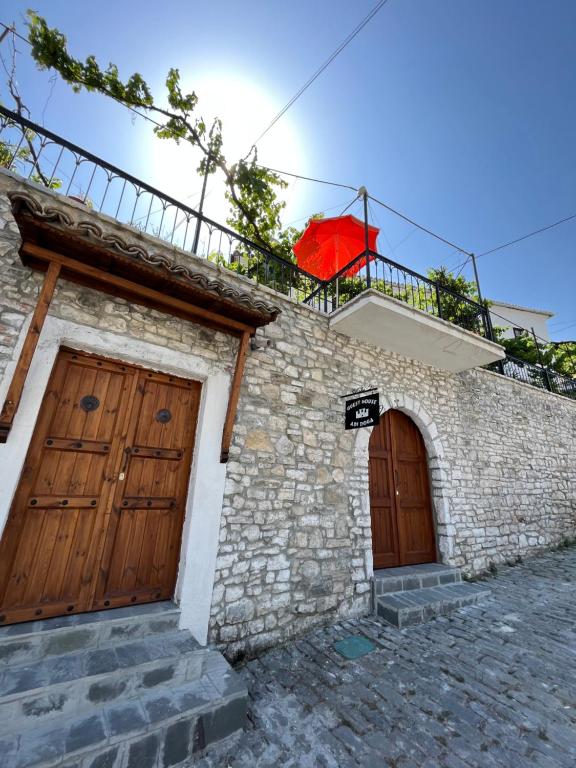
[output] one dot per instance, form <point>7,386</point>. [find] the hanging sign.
<point>362,411</point>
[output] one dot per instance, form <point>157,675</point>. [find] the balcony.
<point>397,327</point>
<point>401,311</point>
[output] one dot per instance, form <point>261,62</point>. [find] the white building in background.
<point>520,318</point>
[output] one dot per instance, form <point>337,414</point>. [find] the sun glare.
<point>245,110</point>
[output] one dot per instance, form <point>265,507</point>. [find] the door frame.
<point>438,473</point>
<point>201,528</point>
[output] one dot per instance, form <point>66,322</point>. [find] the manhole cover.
<point>354,646</point>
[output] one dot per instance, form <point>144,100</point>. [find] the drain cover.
<point>354,646</point>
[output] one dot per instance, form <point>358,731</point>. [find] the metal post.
<point>201,205</point>
<point>487,319</point>
<point>547,381</point>
<point>363,191</point>
<point>438,299</point>
<point>476,280</point>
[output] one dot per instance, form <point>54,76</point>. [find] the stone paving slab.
<point>491,685</point>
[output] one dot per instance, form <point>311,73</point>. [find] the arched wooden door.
<point>400,505</point>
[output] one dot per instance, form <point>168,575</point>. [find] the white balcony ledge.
<point>397,327</point>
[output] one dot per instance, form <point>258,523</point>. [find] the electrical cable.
<point>350,204</point>
<point>319,71</point>
<point>307,178</point>
<point>384,205</point>
<point>376,220</point>
<point>461,268</point>
<point>563,328</point>
<point>525,237</point>
<point>515,324</point>
<point>326,210</point>
<point>419,226</point>
<point>12,29</point>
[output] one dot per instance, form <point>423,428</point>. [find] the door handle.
<point>127,454</point>
<point>396,482</point>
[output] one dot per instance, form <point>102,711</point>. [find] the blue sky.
<point>460,113</point>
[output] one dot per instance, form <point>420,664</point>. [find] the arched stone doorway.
<point>400,501</point>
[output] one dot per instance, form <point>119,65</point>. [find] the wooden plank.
<point>120,286</point>
<point>233,398</point>
<point>75,502</point>
<point>148,502</point>
<point>170,454</point>
<point>23,366</point>
<point>80,446</point>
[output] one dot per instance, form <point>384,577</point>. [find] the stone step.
<point>164,726</point>
<point>414,606</point>
<point>66,667</point>
<point>51,637</point>
<point>412,577</point>
<point>76,682</point>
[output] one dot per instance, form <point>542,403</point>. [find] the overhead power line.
<point>321,69</point>
<point>419,226</point>
<point>389,208</point>
<point>350,204</point>
<point>326,210</point>
<point>561,330</point>
<point>525,237</point>
<point>308,178</point>
<point>12,29</point>
<point>564,327</point>
<point>520,239</point>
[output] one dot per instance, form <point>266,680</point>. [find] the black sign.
<point>362,411</point>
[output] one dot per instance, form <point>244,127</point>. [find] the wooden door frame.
<point>198,551</point>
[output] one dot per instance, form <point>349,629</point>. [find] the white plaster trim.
<point>445,531</point>
<point>206,490</point>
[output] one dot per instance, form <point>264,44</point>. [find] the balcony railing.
<point>405,285</point>
<point>45,158</point>
<point>536,376</point>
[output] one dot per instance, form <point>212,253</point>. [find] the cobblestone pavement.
<point>491,685</point>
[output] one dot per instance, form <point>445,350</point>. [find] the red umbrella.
<point>327,245</point>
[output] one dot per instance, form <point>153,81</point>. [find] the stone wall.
<point>295,539</point>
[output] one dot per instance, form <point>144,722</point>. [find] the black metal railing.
<point>405,285</point>
<point>536,376</point>
<point>45,158</point>
<point>41,156</point>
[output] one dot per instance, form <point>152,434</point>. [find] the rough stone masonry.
<point>295,536</point>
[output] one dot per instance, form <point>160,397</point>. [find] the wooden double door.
<point>400,505</point>
<point>97,518</point>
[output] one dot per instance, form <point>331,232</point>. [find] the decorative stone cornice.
<point>93,232</point>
